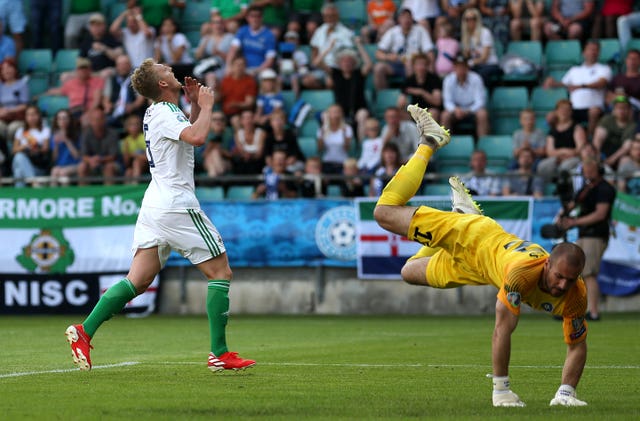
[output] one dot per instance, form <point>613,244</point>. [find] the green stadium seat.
<point>36,61</point>
<point>309,128</point>
<point>51,104</point>
<point>532,51</point>
<point>240,192</point>
<point>371,51</point>
<point>193,15</point>
<point>544,100</point>
<point>114,9</point>
<point>334,190</point>
<point>508,100</point>
<point>384,98</point>
<point>609,51</point>
<point>210,193</point>
<point>319,99</point>
<point>65,60</point>
<point>353,13</point>
<point>436,190</point>
<point>289,99</point>
<point>193,37</point>
<point>562,54</point>
<point>504,125</point>
<point>37,85</point>
<point>457,152</point>
<point>499,149</point>
<point>308,146</point>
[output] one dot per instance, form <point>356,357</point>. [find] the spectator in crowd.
<point>119,99</point>
<point>255,42</point>
<point>423,87</point>
<point>371,151</point>
<point>380,17</point>
<point>216,159</point>
<point>77,20</point>
<point>587,84</point>
<point>276,184</point>
<point>594,201</point>
<point>447,48</point>
<point>424,12</point>
<point>606,16</point>
<point>480,181</point>
<point>496,16</point>
<point>281,138</point>
<point>334,138</point>
<point>84,90</point>
<point>14,98</point>
<point>564,141</point>
<point>628,81</point>
<point>614,132</point>
<point>628,174</point>
<point>99,149</point>
<point>311,184</point>
<point>526,14</point>
<point>274,13</point>
<point>523,181</point>
<point>348,82</point>
<point>4,159</point>
<point>478,47</point>
<point>464,98</point>
<point>137,37</point>
<point>31,151</point>
<point>390,162</point>
<point>293,64</point>
<point>12,16</point>
<point>65,147</point>
<point>528,136</point>
<point>396,48</point>
<point>173,49</point>
<point>570,19</point>
<point>453,11</point>
<point>625,25</point>
<point>305,17</point>
<point>269,99</point>
<point>328,39</point>
<point>46,15</point>
<point>248,151</point>
<point>231,12</point>
<point>156,11</point>
<point>7,45</point>
<point>100,47</point>
<point>238,90</point>
<point>134,150</point>
<point>214,47</point>
<point>352,185</point>
<point>586,153</point>
<point>401,132</point>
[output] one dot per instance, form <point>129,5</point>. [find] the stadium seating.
<point>634,43</point>
<point>499,149</point>
<point>240,192</point>
<point>35,61</point>
<point>193,15</point>
<point>289,99</point>
<point>532,51</point>
<point>505,105</point>
<point>456,153</point>
<point>319,99</point>
<point>309,128</point>
<point>333,190</point>
<point>544,100</point>
<point>38,85</point>
<point>436,190</point>
<point>353,13</point>
<point>51,104</point>
<point>308,146</point>
<point>210,193</point>
<point>193,37</point>
<point>610,52</point>
<point>114,9</point>
<point>64,61</point>
<point>384,98</point>
<point>562,54</point>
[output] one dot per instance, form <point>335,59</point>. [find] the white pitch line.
<point>69,370</point>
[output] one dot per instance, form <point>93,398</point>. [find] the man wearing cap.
<point>83,89</point>
<point>79,13</point>
<point>256,41</point>
<point>464,97</point>
<point>614,132</point>
<point>100,47</point>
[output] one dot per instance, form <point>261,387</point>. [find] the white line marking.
<point>95,367</point>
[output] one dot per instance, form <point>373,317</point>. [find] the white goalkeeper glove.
<point>566,396</point>
<point>502,395</point>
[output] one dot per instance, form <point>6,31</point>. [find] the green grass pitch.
<point>312,367</point>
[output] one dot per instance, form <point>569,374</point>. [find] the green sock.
<point>218,313</point>
<point>112,302</point>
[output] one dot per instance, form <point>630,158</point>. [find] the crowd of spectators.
<point>444,55</point>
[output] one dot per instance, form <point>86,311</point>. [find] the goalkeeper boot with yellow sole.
<point>461,199</point>
<point>431,133</point>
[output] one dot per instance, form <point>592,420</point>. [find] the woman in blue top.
<point>65,147</point>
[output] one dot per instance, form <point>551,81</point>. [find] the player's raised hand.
<point>191,89</point>
<point>566,396</point>
<point>205,98</point>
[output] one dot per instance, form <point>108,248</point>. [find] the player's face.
<point>166,74</point>
<point>560,277</point>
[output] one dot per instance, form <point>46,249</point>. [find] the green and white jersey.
<point>170,159</point>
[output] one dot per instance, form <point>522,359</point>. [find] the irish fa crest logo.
<point>48,252</point>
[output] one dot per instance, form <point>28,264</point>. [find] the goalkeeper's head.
<point>562,269</point>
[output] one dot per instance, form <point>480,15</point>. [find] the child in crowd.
<point>390,163</point>
<point>134,149</point>
<point>371,147</point>
<point>528,136</point>
<point>269,99</point>
<point>293,63</point>
<point>312,184</point>
<point>448,48</point>
<point>352,185</point>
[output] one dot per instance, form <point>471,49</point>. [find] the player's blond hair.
<point>145,80</point>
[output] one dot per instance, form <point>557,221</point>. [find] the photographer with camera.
<point>594,201</point>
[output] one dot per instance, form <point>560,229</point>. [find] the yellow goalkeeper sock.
<point>405,184</point>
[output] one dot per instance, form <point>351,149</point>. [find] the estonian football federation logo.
<point>48,252</point>
<point>336,233</point>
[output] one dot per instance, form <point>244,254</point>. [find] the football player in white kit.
<point>170,216</point>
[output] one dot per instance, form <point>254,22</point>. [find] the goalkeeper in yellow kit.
<point>464,247</point>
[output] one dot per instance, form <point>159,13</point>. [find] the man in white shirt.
<point>331,35</point>
<point>137,37</point>
<point>170,216</point>
<point>401,132</point>
<point>397,46</point>
<point>464,97</point>
<point>587,86</point>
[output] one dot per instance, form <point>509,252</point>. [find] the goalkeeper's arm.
<point>506,323</point>
<point>571,373</point>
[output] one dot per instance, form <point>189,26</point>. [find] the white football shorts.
<point>188,232</point>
